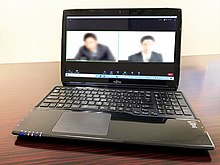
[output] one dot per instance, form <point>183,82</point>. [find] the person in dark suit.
<point>92,50</point>
<point>147,54</point>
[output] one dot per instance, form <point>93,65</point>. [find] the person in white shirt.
<point>147,54</point>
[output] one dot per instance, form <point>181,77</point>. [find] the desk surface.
<point>23,85</point>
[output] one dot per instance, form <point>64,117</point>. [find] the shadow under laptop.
<point>116,149</point>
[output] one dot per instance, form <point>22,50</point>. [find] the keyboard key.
<point>102,96</point>
<point>161,111</point>
<point>148,95</point>
<point>173,100</point>
<point>160,106</point>
<point>145,113</point>
<point>96,99</point>
<point>136,112</point>
<point>52,97</point>
<point>179,97</point>
<point>51,101</point>
<point>54,94</point>
<point>147,106</point>
<point>128,109</point>
<point>182,102</point>
<point>52,105</point>
<point>69,101</point>
<point>61,97</point>
<point>177,108</point>
<point>62,101</point>
<point>144,109</point>
<point>113,104</point>
<point>89,99</point>
<point>159,103</point>
<point>186,111</point>
<point>105,103</point>
<point>170,112</point>
<point>156,95</point>
<point>88,92</point>
<point>89,107</point>
<point>44,104</point>
<point>59,105</point>
<point>74,106</point>
<point>166,103</point>
<point>82,98</point>
<point>171,97</point>
<point>103,100</point>
<point>168,107</point>
<point>137,109</point>
<point>89,96</point>
<point>153,112</point>
<point>98,103</point>
<point>84,102</point>
<point>178,94</point>
<point>67,106</point>
<point>135,106</point>
<point>91,102</point>
<point>94,92</point>
<point>165,99</point>
<point>178,112</point>
<point>75,98</point>
<point>103,108</point>
<point>62,94</point>
<point>110,100</point>
<point>120,109</point>
<point>76,102</point>
<point>112,108</point>
<point>55,91</point>
<point>175,103</point>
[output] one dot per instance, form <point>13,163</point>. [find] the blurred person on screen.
<point>92,50</point>
<point>147,54</point>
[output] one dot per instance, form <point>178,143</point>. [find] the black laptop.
<point>120,71</point>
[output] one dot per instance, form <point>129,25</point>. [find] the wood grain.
<point>23,85</point>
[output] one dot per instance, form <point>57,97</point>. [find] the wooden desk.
<point>23,85</point>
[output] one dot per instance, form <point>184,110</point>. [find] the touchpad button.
<point>83,123</point>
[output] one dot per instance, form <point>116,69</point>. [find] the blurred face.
<point>91,44</point>
<point>147,46</point>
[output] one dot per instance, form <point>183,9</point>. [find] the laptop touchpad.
<point>83,123</point>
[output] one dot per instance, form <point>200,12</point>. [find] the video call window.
<point>114,46</point>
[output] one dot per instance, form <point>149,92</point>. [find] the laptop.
<point>120,71</point>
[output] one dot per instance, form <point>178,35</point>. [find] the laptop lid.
<point>126,47</point>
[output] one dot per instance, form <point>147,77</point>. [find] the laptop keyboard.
<point>135,102</point>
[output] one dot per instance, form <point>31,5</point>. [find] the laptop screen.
<point>120,47</point>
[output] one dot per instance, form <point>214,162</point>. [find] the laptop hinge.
<point>111,85</point>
